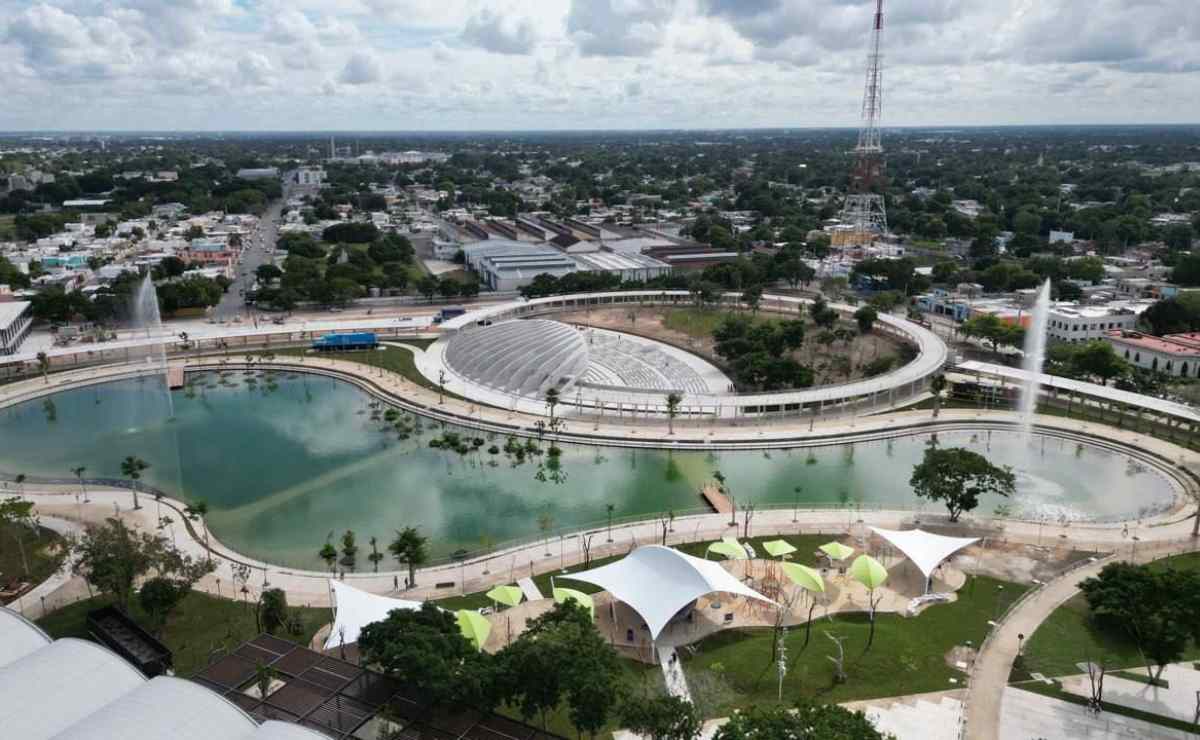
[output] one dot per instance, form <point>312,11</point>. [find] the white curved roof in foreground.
<point>356,609</point>
<point>521,357</point>
<point>73,689</point>
<point>18,637</point>
<point>656,582</point>
<point>925,549</point>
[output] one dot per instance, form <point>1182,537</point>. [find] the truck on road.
<point>448,313</point>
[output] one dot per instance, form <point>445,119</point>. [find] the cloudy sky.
<point>563,64</point>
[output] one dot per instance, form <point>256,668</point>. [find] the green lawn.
<point>908,655</point>
<point>1069,637</point>
<point>200,625</point>
<point>43,551</point>
<point>695,322</point>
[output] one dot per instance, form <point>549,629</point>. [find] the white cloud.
<point>456,64</point>
<point>361,69</point>
<point>499,33</point>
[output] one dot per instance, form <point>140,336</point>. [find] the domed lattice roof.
<point>521,357</point>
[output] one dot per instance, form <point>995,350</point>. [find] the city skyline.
<point>219,65</point>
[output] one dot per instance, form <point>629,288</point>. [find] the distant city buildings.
<point>1173,354</point>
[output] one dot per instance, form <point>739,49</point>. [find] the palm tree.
<point>158,497</point>
<point>131,468</point>
<point>79,471</point>
<point>552,399</point>
<point>198,510</point>
<point>20,481</point>
<point>409,548</point>
<point>673,401</point>
<point>545,524</point>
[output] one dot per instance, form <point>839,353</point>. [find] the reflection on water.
<point>285,460</point>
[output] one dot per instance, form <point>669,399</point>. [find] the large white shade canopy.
<point>925,549</point>
<point>656,582</point>
<point>356,609</point>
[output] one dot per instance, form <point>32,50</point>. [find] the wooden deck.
<point>717,500</point>
<point>174,376</point>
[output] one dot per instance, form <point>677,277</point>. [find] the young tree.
<point>158,597</point>
<point>937,385</point>
<point>375,555</point>
<point>349,549</point>
<point>752,297</point>
<point>409,548</point>
<point>196,511</point>
<point>806,722</point>
<point>1098,358</point>
<point>43,361</point>
<point>662,717</point>
<point>328,552</point>
<point>272,609</point>
<point>958,477</point>
<point>673,401</point>
<point>132,468</point>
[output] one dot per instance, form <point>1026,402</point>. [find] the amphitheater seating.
<point>619,361</point>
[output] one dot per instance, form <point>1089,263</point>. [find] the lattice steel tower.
<point>864,210</point>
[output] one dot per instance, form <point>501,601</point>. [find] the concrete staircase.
<point>917,718</point>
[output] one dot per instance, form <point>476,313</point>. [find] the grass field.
<point>1069,637</point>
<point>909,655</point>
<point>43,550</point>
<point>199,626</point>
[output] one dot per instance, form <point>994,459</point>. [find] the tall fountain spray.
<point>1035,355</point>
<point>145,318</point>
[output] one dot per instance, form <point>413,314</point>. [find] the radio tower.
<point>863,211</point>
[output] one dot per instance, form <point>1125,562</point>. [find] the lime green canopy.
<point>779,548</point>
<point>867,571</point>
<point>729,547</point>
<point>836,550</point>
<point>562,595</point>
<point>474,626</point>
<point>805,577</point>
<point>507,595</point>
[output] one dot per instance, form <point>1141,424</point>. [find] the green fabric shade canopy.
<point>779,548</point>
<point>836,550</point>
<point>507,595</point>
<point>729,547</point>
<point>805,577</point>
<point>868,571</point>
<point>474,626</point>
<point>563,595</point>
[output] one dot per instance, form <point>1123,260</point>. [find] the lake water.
<point>285,459</point>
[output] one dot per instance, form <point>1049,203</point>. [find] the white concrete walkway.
<point>1177,699</point>
<point>1027,716</point>
<point>672,671</point>
<point>530,589</point>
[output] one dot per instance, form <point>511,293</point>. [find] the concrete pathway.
<point>672,671</point>
<point>530,589</point>
<point>993,664</point>
<point>1027,716</point>
<point>1177,699</point>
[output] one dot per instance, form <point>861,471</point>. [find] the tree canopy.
<point>806,722</point>
<point>958,477</point>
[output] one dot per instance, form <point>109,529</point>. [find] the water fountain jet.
<point>1035,356</point>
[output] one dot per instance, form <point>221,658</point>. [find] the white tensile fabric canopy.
<point>656,582</point>
<point>925,549</point>
<point>356,609</point>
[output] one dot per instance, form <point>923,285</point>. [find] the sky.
<point>409,65</point>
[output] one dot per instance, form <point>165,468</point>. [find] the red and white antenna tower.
<point>863,214</point>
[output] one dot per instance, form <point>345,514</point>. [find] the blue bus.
<point>345,342</point>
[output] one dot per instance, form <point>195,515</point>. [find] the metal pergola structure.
<point>345,701</point>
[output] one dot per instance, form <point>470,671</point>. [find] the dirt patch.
<point>1019,563</point>
<point>691,329</point>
